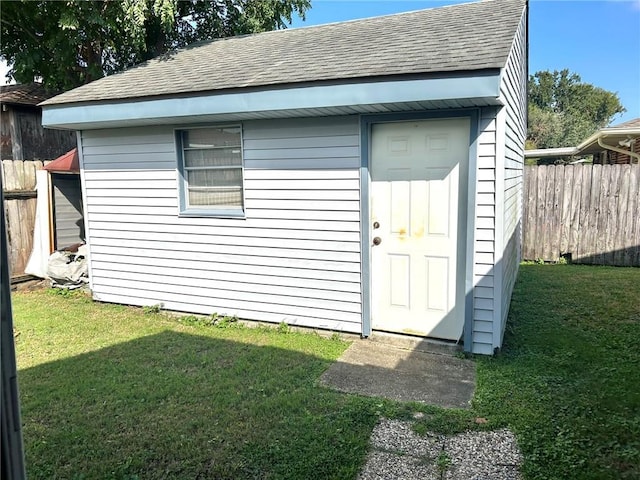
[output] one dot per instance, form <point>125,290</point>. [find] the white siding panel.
<point>483,315</point>
<point>294,258</point>
<point>308,194</point>
<point>306,174</point>
<point>484,247</point>
<point>296,128</point>
<point>303,163</point>
<point>142,203</point>
<point>123,149</point>
<point>338,220</point>
<point>222,242</point>
<point>484,292</point>
<point>128,193</point>
<point>238,250</point>
<point>232,292</point>
<point>304,152</point>
<point>140,175</point>
<point>484,244</point>
<point>196,263</point>
<point>259,218</point>
<point>501,136</point>
<point>332,289</point>
<point>211,231</point>
<point>169,184</point>
<point>513,90</point>
<point>290,184</point>
<point>323,205</point>
<point>190,306</point>
<point>482,348</point>
<point>481,326</point>
<point>302,142</point>
<point>221,305</point>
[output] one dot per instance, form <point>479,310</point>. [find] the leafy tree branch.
<point>563,110</point>
<point>69,43</point>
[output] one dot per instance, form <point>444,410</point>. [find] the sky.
<point>598,40</point>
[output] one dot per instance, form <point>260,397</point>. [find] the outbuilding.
<point>358,177</point>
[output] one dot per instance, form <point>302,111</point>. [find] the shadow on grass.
<point>174,405</point>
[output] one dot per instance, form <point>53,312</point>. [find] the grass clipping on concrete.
<point>113,392</point>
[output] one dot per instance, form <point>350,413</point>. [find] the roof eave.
<point>607,133</point>
<point>370,97</point>
<point>551,152</point>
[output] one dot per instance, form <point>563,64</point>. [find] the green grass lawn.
<point>112,392</point>
<point>568,379</point>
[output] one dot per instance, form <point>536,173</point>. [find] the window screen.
<point>212,168</point>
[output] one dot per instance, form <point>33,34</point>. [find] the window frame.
<point>185,210</point>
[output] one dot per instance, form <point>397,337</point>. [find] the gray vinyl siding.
<point>484,298</point>
<point>514,92</point>
<point>294,258</point>
<point>502,132</point>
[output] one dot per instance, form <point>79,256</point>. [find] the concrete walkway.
<point>404,372</point>
<point>418,371</point>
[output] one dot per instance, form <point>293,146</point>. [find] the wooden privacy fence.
<point>585,213</point>
<point>19,189</point>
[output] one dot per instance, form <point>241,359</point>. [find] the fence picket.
<point>587,211</point>
<point>19,177</point>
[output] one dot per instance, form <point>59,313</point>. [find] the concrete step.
<point>419,344</point>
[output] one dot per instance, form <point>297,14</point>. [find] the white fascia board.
<point>551,152</point>
<point>608,132</point>
<point>171,110</point>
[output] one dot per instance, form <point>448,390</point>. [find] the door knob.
<point>376,225</point>
<point>377,241</point>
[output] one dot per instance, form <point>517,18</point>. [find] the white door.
<point>416,205</point>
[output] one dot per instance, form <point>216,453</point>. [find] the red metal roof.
<point>68,162</point>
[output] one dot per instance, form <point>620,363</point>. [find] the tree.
<point>69,43</point>
<point>563,110</point>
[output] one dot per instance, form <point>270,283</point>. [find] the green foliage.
<point>563,110</point>
<point>214,320</point>
<point>70,43</point>
<point>284,328</point>
<point>65,292</point>
<point>152,309</point>
<point>443,462</point>
<point>224,321</point>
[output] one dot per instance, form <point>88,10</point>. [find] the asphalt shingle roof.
<point>24,94</point>
<point>464,37</point>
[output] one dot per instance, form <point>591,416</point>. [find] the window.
<point>211,167</point>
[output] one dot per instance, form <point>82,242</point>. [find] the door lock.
<point>376,225</point>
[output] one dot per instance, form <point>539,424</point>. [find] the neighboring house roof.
<point>460,38</point>
<point>633,124</point>
<point>609,138</point>
<point>30,94</point>
<point>69,162</point>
